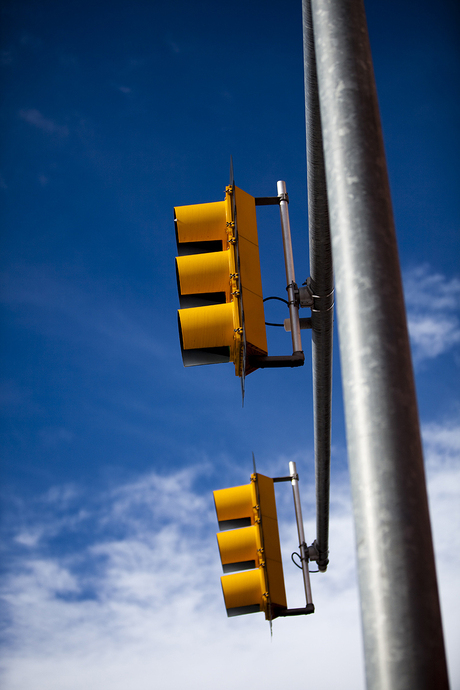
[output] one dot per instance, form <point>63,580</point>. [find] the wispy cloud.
<point>139,597</point>
<point>442,457</point>
<point>34,117</point>
<point>442,444</point>
<point>432,302</point>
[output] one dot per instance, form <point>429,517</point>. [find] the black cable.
<point>280,299</point>
<point>292,559</point>
<point>299,566</point>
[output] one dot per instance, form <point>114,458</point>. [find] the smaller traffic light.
<point>249,548</point>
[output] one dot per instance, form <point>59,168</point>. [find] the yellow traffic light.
<point>250,548</point>
<point>221,316</point>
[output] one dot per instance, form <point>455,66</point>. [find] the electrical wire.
<point>280,299</point>
<point>292,559</point>
<point>299,566</point>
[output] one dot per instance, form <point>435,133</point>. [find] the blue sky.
<point>112,114</point>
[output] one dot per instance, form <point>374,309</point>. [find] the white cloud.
<point>153,606</point>
<point>442,443</point>
<point>442,456</point>
<point>432,303</point>
<point>140,604</point>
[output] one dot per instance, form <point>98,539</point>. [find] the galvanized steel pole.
<point>403,639</point>
<point>322,285</point>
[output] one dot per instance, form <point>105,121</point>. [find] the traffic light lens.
<point>243,592</point>
<point>204,274</point>
<point>239,548</point>
<point>206,327</point>
<point>201,223</point>
<point>233,505</point>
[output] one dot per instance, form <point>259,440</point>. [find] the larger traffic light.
<point>249,548</point>
<point>221,316</point>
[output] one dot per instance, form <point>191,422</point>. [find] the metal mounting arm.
<point>297,358</point>
<point>304,549</point>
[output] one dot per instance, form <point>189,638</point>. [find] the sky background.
<point>112,114</point>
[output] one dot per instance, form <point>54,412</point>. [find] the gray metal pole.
<point>289,265</point>
<point>300,531</point>
<point>403,639</point>
<point>322,285</point>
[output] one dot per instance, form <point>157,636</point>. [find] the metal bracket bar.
<point>304,324</point>
<point>304,554</point>
<point>289,265</point>
<point>304,550</point>
<point>267,201</point>
<point>297,359</point>
<point>309,608</point>
<point>296,296</point>
<point>271,200</point>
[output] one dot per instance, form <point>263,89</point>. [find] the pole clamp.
<point>313,553</point>
<point>293,290</point>
<point>304,295</point>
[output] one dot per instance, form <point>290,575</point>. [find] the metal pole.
<point>322,285</point>
<point>403,639</point>
<point>289,264</point>
<point>300,531</point>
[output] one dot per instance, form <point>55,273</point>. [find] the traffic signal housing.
<point>221,316</point>
<point>249,547</point>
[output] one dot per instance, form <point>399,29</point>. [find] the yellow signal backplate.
<point>271,541</point>
<point>250,275</point>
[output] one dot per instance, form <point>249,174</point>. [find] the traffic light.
<point>221,316</point>
<point>249,548</point>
